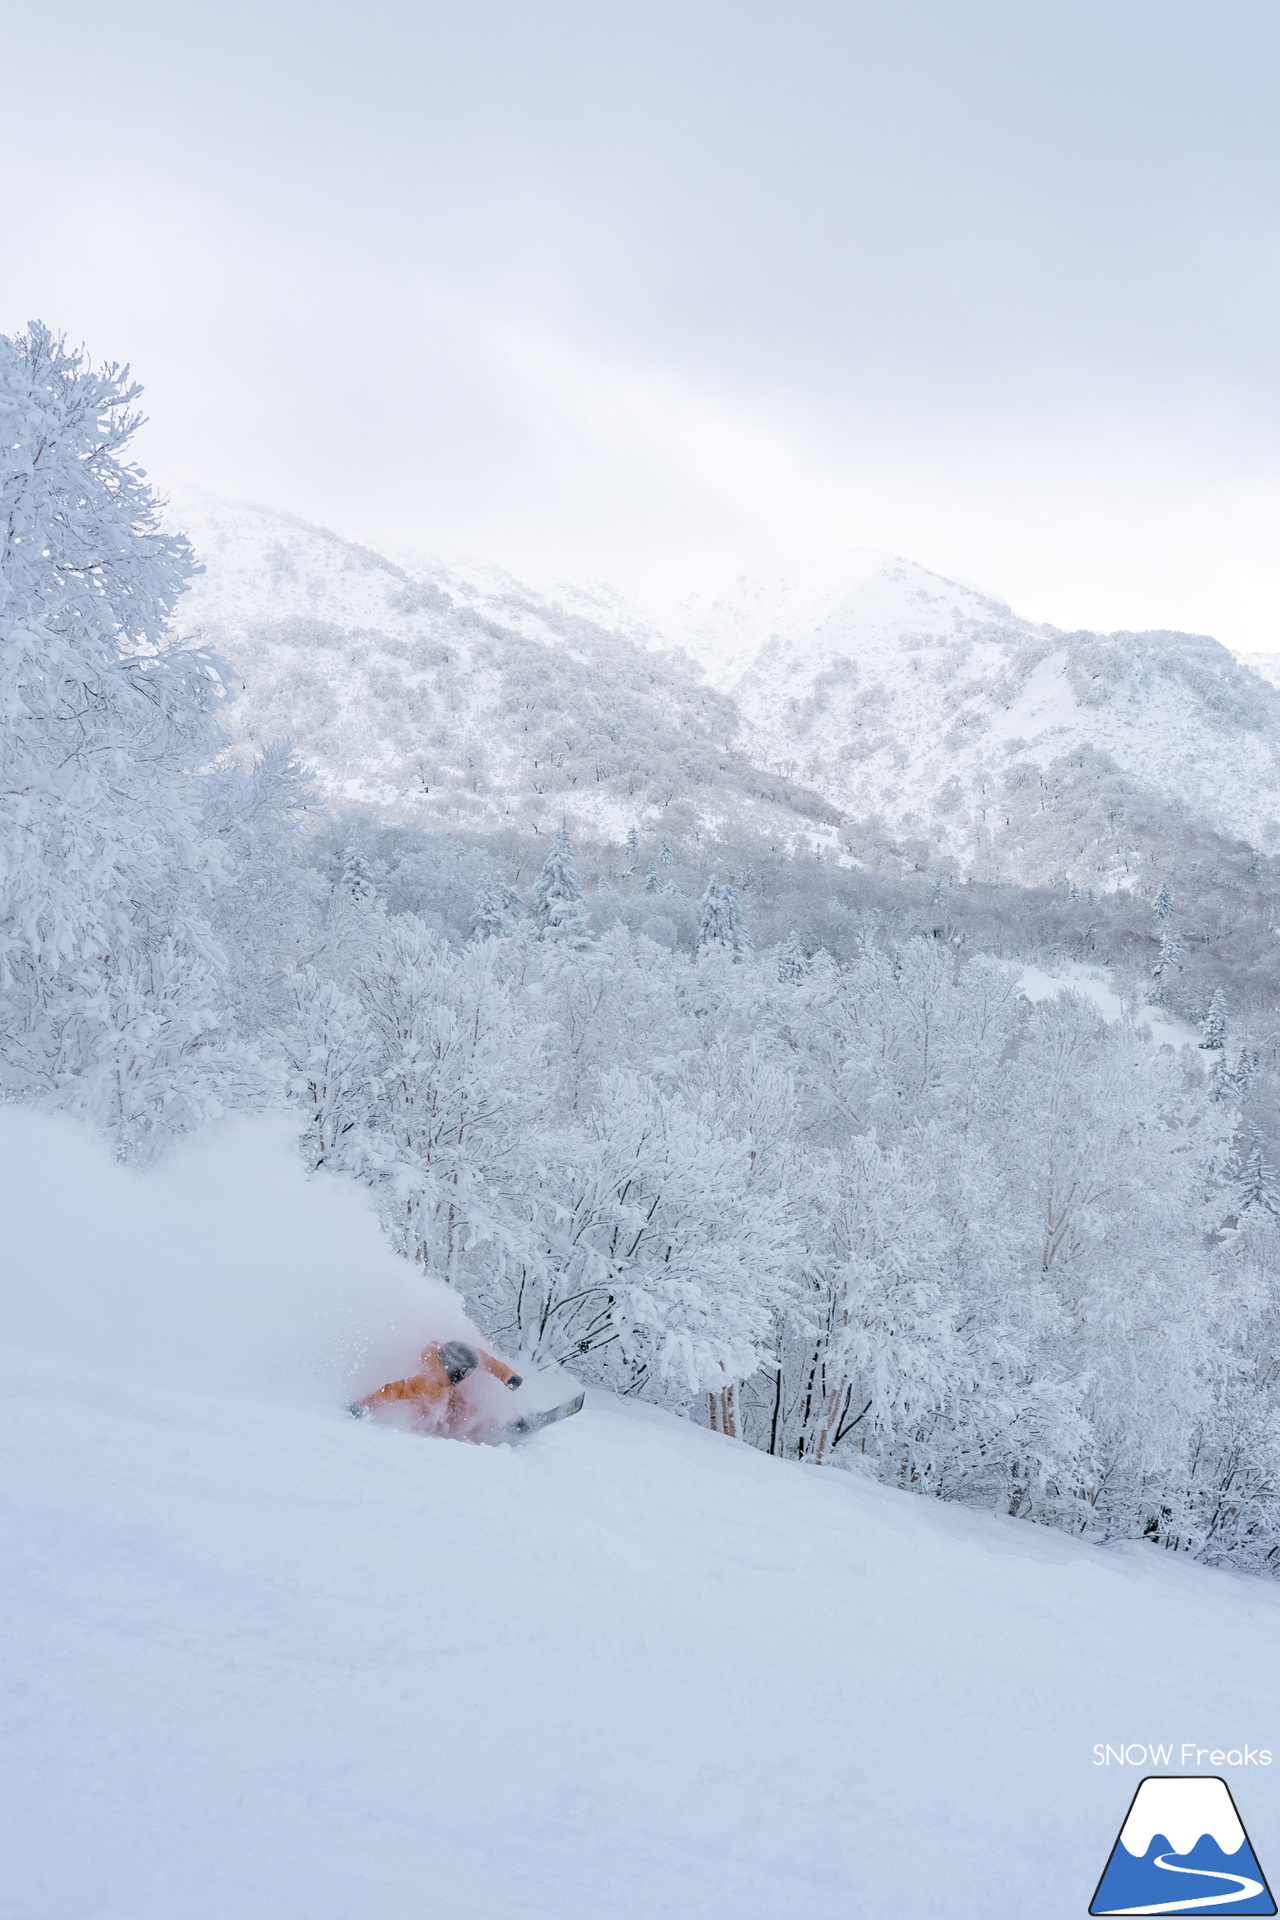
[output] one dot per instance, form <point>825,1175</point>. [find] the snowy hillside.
<point>1004,744</point>
<point>891,702</point>
<point>264,1663</point>
<point>465,701</point>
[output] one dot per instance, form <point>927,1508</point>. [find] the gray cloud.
<point>662,289</point>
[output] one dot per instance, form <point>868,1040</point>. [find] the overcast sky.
<point>661,291</point>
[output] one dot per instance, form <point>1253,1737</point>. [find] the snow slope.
<point>1165,1029</point>
<point>264,1663</point>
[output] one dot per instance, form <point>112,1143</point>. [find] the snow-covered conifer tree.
<point>497,909</point>
<point>356,882</point>
<point>1162,905</point>
<point>1169,957</point>
<point>721,923</point>
<point>1213,1028</point>
<point>1259,1191</point>
<point>1227,1082</point>
<point>355,916</point>
<point>557,896</point>
<point>792,965</point>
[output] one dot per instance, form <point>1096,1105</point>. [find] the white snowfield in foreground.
<point>262,1662</point>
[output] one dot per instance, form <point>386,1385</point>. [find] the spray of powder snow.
<point>222,1269</point>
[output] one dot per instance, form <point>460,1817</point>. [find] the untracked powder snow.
<point>264,1662</point>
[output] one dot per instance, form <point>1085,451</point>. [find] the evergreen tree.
<point>792,965</point>
<point>1162,905</point>
<point>557,897</point>
<point>497,909</point>
<point>666,856</point>
<point>633,845</point>
<point>1213,1028</point>
<point>1170,955</point>
<point>1258,1188</point>
<point>356,883</point>
<point>1233,1083</point>
<point>721,923</point>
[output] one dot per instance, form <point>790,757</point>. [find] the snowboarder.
<point>439,1400</point>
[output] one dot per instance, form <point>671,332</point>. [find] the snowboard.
<point>534,1422</point>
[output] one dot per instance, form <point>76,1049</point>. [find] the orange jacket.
<point>441,1404</point>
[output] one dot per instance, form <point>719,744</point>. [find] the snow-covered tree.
<point>721,923</point>
<point>268,911</point>
<point>448,1081</point>
<point>557,895</point>
<point>1259,1190</point>
<point>108,973</point>
<point>356,882</point>
<point>655,1261</point>
<point>498,909</point>
<point>1213,1027</point>
<point>792,965</point>
<point>1172,947</point>
<point>330,1049</point>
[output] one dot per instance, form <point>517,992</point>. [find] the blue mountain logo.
<point>1183,1850</point>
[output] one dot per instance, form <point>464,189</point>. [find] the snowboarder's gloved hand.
<point>357,1410</point>
<point>516,1380</point>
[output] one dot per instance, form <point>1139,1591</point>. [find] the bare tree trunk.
<point>777,1410</point>
<point>723,1412</point>
<point>830,1418</point>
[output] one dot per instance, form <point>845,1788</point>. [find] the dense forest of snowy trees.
<point>778,1143</point>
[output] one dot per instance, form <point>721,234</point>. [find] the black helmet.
<point>458,1360</point>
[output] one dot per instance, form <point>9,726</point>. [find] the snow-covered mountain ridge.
<point>906,707</point>
<point>998,741</point>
